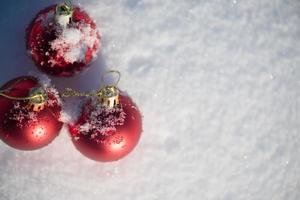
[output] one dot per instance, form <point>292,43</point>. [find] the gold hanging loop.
<point>65,8</point>
<point>63,13</point>
<point>69,92</point>
<point>112,72</point>
<point>107,96</point>
<point>36,100</point>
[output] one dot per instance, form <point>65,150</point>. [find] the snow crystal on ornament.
<point>73,42</point>
<point>101,121</point>
<point>53,101</point>
<point>24,116</point>
<point>63,49</point>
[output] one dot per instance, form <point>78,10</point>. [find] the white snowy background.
<point>217,82</point>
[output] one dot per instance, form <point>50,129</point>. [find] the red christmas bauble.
<point>107,134</point>
<point>62,50</point>
<point>20,126</point>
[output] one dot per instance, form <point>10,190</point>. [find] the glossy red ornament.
<point>107,139</point>
<point>21,127</point>
<point>62,50</point>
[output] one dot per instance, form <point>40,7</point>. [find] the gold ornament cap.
<point>38,99</point>
<point>108,96</point>
<point>63,13</point>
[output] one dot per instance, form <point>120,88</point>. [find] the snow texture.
<point>218,85</point>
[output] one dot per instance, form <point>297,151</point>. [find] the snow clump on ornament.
<point>62,40</point>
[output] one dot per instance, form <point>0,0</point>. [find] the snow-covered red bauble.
<point>29,113</point>
<point>104,133</point>
<point>62,40</point>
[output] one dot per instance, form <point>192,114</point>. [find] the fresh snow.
<point>217,83</point>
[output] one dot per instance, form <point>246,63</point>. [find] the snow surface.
<point>217,82</point>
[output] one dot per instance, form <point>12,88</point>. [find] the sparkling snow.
<point>217,83</point>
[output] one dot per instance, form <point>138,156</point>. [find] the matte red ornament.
<point>107,134</point>
<point>62,46</point>
<point>20,126</point>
